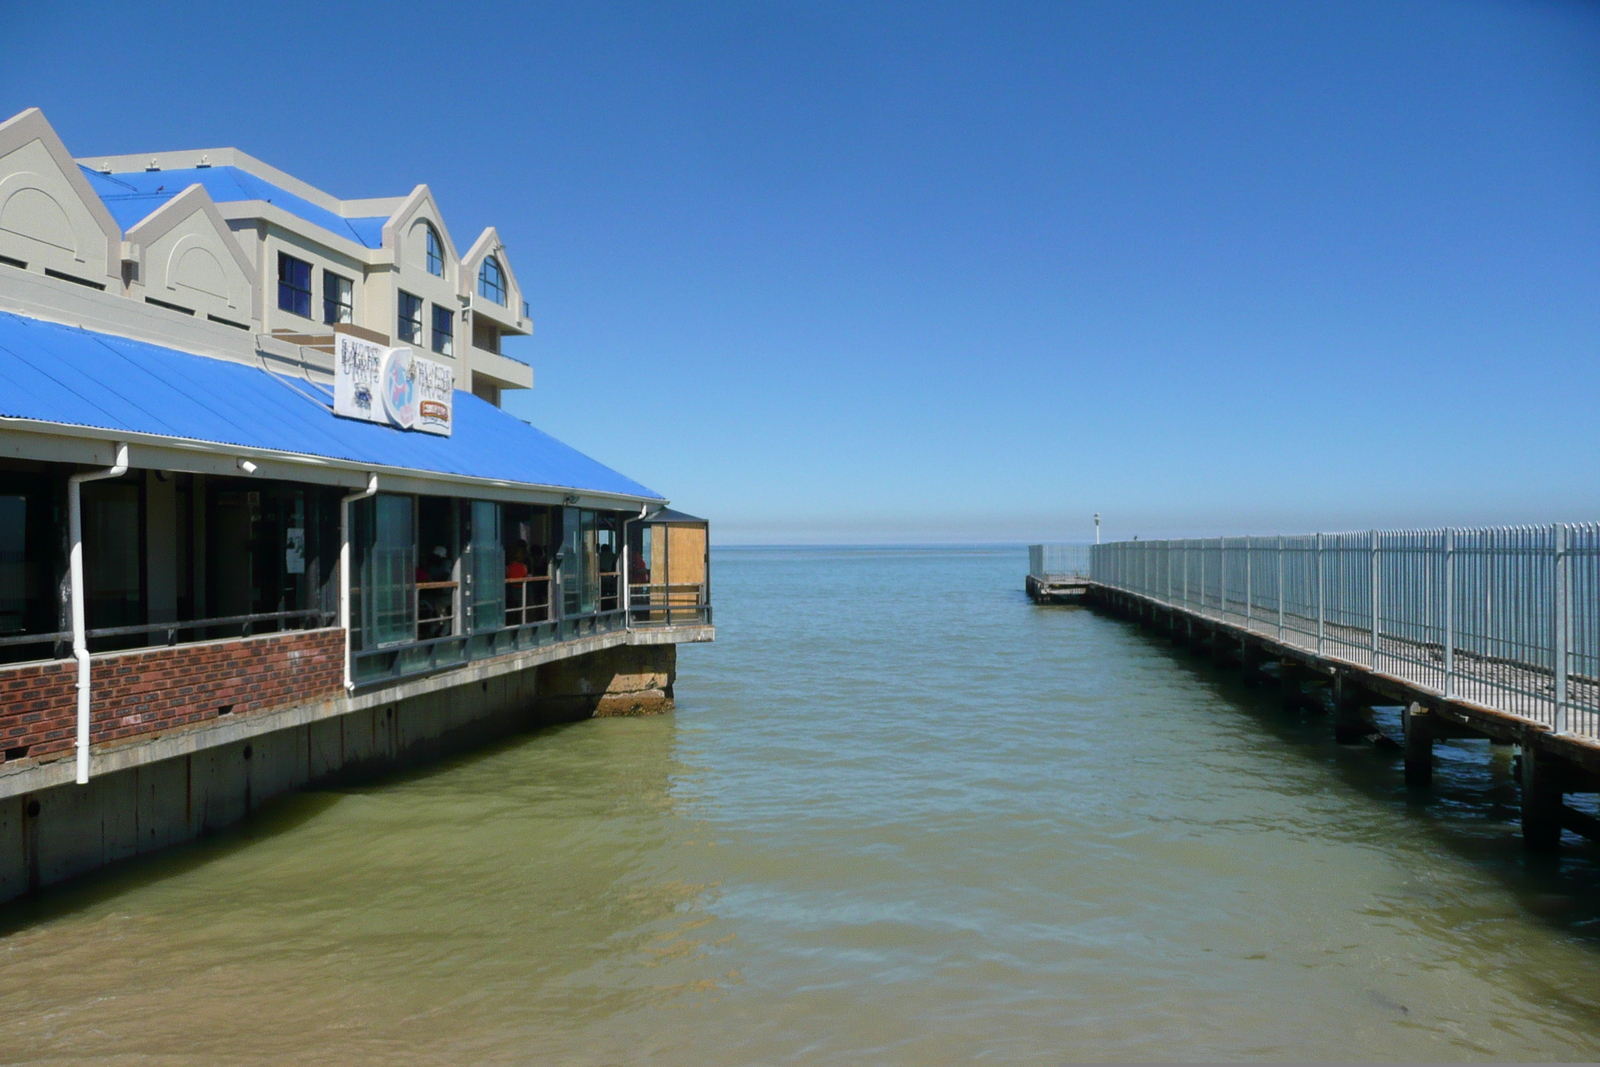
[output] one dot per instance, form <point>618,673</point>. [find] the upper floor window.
<point>435,254</point>
<point>337,301</point>
<point>492,281</point>
<point>294,285</point>
<point>410,328</point>
<point>444,331</point>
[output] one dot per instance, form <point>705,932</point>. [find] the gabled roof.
<point>132,196</point>
<point>161,221</point>
<point>70,376</point>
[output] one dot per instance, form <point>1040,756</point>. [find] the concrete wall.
<point>54,834</point>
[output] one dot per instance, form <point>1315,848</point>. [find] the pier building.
<point>263,521</point>
<point>1474,633</point>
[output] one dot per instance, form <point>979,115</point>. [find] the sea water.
<point>900,816</point>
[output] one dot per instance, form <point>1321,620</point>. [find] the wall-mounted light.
<point>246,466</point>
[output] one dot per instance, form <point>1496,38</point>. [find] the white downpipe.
<point>344,571</point>
<point>80,638</point>
<point>627,593</point>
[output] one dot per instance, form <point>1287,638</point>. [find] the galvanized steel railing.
<point>1508,618</point>
<point>1066,561</point>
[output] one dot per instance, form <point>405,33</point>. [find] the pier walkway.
<point>1474,632</point>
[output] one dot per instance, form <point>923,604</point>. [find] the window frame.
<point>414,335</point>
<point>433,258</point>
<point>447,335</point>
<point>286,286</point>
<point>502,292</point>
<point>348,305</point>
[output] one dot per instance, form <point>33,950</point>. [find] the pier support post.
<point>1350,726</point>
<point>1418,745</point>
<point>1251,658</point>
<point>1219,648</point>
<point>1289,679</point>
<point>1541,801</point>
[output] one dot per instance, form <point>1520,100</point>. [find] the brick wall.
<point>157,689</point>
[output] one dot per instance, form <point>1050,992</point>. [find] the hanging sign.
<point>392,386</point>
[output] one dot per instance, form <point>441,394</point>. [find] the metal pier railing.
<point>1063,561</point>
<point>1508,618</point>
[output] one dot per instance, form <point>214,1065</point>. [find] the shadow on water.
<point>276,817</point>
<point>1472,810</point>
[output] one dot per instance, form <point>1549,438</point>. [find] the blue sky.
<point>940,272</point>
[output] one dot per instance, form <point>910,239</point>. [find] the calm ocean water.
<point>901,816</point>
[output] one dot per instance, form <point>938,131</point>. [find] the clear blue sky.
<point>964,272</point>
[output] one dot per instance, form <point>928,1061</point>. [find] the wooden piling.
<point>1541,801</point>
<point>1419,735</point>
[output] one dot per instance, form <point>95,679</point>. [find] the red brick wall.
<point>157,689</point>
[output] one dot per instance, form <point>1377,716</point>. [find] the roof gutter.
<point>80,639</point>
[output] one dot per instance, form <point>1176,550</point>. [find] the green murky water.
<point>901,817</point>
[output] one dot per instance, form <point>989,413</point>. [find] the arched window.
<point>492,281</point>
<point>435,254</point>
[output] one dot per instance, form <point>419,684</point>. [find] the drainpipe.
<point>80,638</point>
<point>344,571</point>
<point>627,595</point>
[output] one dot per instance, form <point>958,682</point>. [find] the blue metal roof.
<point>63,374</point>
<point>133,196</point>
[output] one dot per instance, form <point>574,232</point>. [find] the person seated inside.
<point>517,561</point>
<point>435,606</point>
<point>438,566</point>
<point>608,578</point>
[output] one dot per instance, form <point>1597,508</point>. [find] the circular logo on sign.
<point>399,387</point>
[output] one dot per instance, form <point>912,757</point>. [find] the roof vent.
<point>154,165</point>
<point>205,161</point>
<point>105,168</point>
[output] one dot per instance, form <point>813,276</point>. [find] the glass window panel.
<point>443,330</point>
<point>337,302</point>
<point>294,285</point>
<point>387,570</point>
<point>13,564</point>
<point>435,254</point>
<point>591,563</point>
<point>410,329</point>
<point>111,575</point>
<point>488,557</point>
<point>570,568</point>
<point>491,281</point>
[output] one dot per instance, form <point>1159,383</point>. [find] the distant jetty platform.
<point>1058,574</point>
